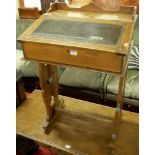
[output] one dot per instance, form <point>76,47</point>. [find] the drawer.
<point>78,57</point>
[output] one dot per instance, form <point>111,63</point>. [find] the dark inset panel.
<point>80,31</point>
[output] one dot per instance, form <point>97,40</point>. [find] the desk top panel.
<point>84,28</point>
<point>96,33</point>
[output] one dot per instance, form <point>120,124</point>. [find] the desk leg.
<point>48,84</point>
<point>54,83</point>
<point>118,113</point>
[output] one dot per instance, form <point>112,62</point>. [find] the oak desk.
<point>82,137</point>
<point>86,37</point>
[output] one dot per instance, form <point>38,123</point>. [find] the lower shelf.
<point>73,135</point>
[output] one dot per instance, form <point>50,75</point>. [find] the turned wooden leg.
<point>45,87</point>
<point>54,86</point>
<point>121,91</point>
<point>118,113</point>
<point>54,83</point>
<point>50,94</point>
<point>46,94</point>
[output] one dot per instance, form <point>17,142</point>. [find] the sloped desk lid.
<point>94,33</point>
<point>91,30</point>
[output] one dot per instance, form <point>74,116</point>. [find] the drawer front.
<point>86,58</point>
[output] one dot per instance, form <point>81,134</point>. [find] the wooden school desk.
<point>86,37</point>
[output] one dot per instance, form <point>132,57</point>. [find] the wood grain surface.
<point>82,137</point>
<point>91,59</point>
<point>111,18</point>
<point>103,51</point>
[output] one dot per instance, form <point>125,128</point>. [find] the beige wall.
<point>17,5</point>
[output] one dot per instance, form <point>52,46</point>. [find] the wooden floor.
<point>73,135</point>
